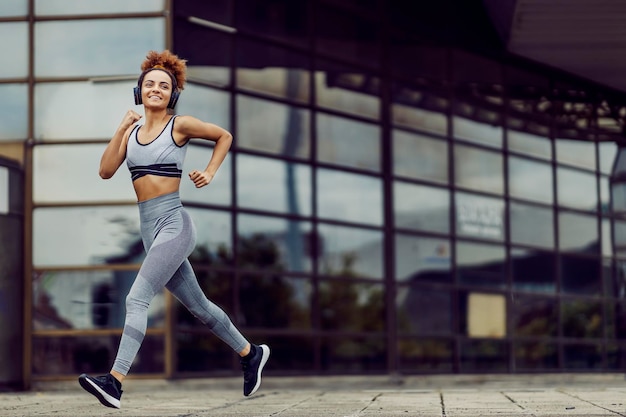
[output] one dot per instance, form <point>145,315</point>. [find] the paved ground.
<point>441,396</point>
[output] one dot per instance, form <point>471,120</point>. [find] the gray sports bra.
<point>162,156</point>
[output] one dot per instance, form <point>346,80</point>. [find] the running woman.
<point>154,153</point>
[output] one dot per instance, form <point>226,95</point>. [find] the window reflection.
<point>577,189</point>
<point>420,207</point>
<point>273,185</point>
<point>346,142</point>
<point>420,157</point>
<point>351,306</point>
<point>210,68</point>
<point>350,252</point>
<point>86,300</point>
<point>425,354</point>
<point>477,132</point>
<point>533,270</point>
<point>220,189</point>
<point>69,173</point>
<point>272,243</point>
<point>219,11</point>
<point>607,152</point>
<point>480,264</point>
<point>478,216</point>
<point>578,233</point>
<point>213,236</point>
<point>14,111</point>
<point>422,259</point>
<point>349,197</point>
<point>529,144</point>
<point>424,311</point>
<point>484,356</point>
<point>273,127</point>
<point>285,20</point>
<point>478,169</point>
<point>14,8</point>
<point>80,110</point>
<point>346,89</point>
<point>353,354</point>
<point>576,152</point>
<point>580,275</point>
<point>91,236</point>
<point>15,52</point>
<point>525,175</point>
<point>427,121</point>
<point>579,356</point>
<point>206,104</point>
<point>582,319</point>
<point>534,316</point>
<point>536,355</point>
<point>531,225</point>
<point>70,7</point>
<point>59,52</point>
<point>272,70</point>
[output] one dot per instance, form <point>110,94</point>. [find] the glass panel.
<point>285,302</point>
<point>272,70</point>
<point>419,156</point>
<point>349,197</point>
<point>91,236</point>
<point>87,300</point>
<point>533,270</point>
<point>14,8</point>
<point>607,153</point>
<point>59,105</point>
<point>351,307</point>
<point>479,264</point>
<point>347,35</point>
<point>420,258</point>
<point>477,132</point>
<point>607,245</point>
<point>525,174</point>
<point>273,127</point>
<point>286,20</point>
<point>347,142</point>
<point>534,316</point>
<point>211,68</point>
<point>422,354</point>
<point>70,7</point>
<point>577,189</point>
<point>13,111</point>
<point>616,319</point>
<point>213,236</point>
<point>14,53</point>
<point>219,11</point>
<point>531,225</point>
<point>582,319</point>
<point>529,144</point>
<point>350,252</point>
<point>206,104</point>
<point>478,216</point>
<point>285,357</point>
<point>420,207</point>
<point>273,185</point>
<point>619,238</point>
<point>588,357</point>
<point>484,355</point>
<point>220,189</point>
<point>353,354</point>
<point>70,356</point>
<point>59,52</point>
<point>578,233</point>
<point>580,275</point>
<point>201,353</point>
<point>605,193</point>
<point>478,169</point>
<point>346,89</point>
<point>424,311</point>
<point>276,244</point>
<point>415,118</point>
<point>576,152</point>
<point>536,356</point>
<point>76,168</point>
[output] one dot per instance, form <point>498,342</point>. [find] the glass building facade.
<point>394,202</point>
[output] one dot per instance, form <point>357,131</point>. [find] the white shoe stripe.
<point>264,358</point>
<point>111,400</point>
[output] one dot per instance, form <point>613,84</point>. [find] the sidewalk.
<point>553,395</point>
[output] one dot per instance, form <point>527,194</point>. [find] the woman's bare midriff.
<point>151,186</point>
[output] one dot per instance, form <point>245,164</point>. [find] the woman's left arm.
<point>189,127</point>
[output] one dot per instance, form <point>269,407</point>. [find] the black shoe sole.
<point>92,389</point>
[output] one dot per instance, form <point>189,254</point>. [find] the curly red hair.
<point>176,66</point>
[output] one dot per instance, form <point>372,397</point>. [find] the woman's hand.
<point>200,178</point>
<point>130,118</point>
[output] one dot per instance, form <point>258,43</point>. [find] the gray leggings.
<point>169,237</point>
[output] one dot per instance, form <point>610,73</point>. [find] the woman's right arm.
<point>115,152</point>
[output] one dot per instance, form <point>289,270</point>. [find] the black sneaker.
<point>106,388</point>
<point>252,368</point>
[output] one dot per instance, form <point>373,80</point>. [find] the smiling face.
<point>156,89</point>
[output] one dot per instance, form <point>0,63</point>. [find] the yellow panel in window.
<point>486,315</point>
